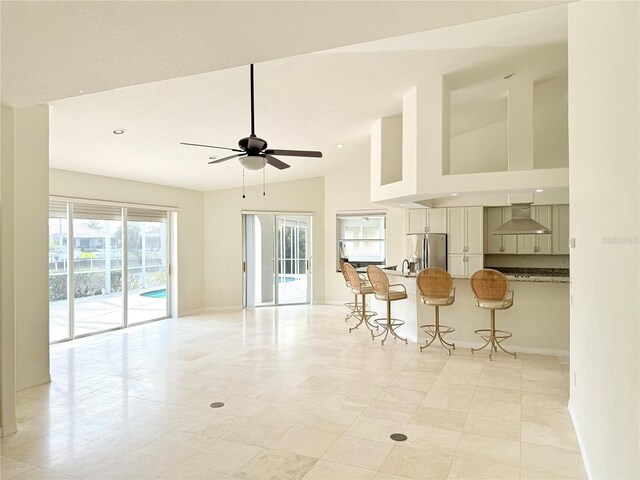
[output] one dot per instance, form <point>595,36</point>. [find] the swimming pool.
<point>155,293</point>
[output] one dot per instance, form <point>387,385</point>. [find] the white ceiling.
<point>311,101</point>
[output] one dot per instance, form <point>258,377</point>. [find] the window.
<point>108,267</point>
<point>361,238</point>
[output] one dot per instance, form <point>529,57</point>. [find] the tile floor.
<point>303,399</point>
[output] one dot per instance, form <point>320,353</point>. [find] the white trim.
<point>43,381</point>
<point>276,212</point>
<point>583,450</point>
<point>8,430</point>
<point>197,311</point>
<point>361,213</point>
<point>96,201</point>
<point>517,348</point>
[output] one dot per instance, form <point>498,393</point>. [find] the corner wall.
<point>604,152</point>
<point>7,317</point>
<point>30,236</point>
<point>223,234</point>
<point>348,189</point>
<point>190,228</point>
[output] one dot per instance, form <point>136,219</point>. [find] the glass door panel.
<point>292,237</point>
<point>146,265</point>
<point>259,261</point>
<point>59,321</point>
<point>97,268</point>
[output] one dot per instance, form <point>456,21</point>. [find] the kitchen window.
<point>361,238</point>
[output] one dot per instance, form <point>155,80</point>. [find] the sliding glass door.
<point>146,265</point>
<point>277,253</point>
<point>116,280</point>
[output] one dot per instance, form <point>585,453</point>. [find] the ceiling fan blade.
<point>218,160</point>
<point>274,162</point>
<point>294,153</point>
<point>210,146</point>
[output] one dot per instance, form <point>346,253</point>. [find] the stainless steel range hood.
<point>521,222</point>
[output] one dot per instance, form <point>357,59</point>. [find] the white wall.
<point>31,278</point>
<point>223,234</point>
<point>7,317</point>
<point>604,152</point>
<point>348,189</point>
<point>481,150</point>
<point>190,248</point>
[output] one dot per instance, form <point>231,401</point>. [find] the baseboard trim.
<point>46,379</point>
<point>8,430</point>
<point>197,311</point>
<point>517,348</point>
<point>583,451</point>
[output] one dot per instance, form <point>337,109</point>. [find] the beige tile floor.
<point>304,399</point>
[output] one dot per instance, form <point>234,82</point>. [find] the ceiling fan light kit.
<point>253,153</point>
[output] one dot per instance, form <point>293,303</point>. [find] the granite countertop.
<point>531,274</point>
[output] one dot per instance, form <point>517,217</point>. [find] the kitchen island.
<point>539,318</point>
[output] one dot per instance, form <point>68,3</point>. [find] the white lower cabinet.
<point>461,265</point>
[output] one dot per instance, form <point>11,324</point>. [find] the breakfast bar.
<point>539,318</point>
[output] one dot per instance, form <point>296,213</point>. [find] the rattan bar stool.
<point>352,306</point>
<point>386,293</point>
<point>436,289</point>
<point>359,286</point>
<point>491,290</point>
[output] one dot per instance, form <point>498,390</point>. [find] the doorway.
<point>276,259</point>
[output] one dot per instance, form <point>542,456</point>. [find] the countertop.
<point>534,275</point>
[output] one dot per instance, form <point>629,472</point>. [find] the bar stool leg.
<point>494,340</point>
<point>391,326</point>
<point>362,315</point>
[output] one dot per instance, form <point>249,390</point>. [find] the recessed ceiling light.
<point>119,131</point>
<point>340,145</point>
<point>454,194</point>
<point>538,190</point>
<point>509,75</point>
<point>402,204</point>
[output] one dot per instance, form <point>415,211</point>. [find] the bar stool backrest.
<point>352,275</point>
<point>378,279</point>
<point>489,284</point>
<point>344,273</point>
<point>434,282</point>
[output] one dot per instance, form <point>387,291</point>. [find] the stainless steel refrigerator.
<point>428,249</point>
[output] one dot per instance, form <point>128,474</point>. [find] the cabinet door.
<point>437,220</point>
<point>543,216</point>
<point>456,265</point>
<point>560,230</point>
<point>474,263</point>
<point>455,229</point>
<point>494,220</point>
<point>527,244</point>
<point>509,242</point>
<point>416,220</point>
<point>474,230</point>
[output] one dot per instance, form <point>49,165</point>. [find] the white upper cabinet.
<point>437,220</point>
<point>416,220</point>
<point>465,230</point>
<point>427,220</point>
<point>456,234</point>
<point>475,230</point>
<point>560,230</point>
<point>497,244</point>
<point>537,244</point>
<point>494,220</point>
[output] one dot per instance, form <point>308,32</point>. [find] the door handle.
<point>244,267</point>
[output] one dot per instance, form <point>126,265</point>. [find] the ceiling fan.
<point>253,152</point>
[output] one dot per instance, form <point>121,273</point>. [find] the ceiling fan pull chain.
<point>263,174</point>
<point>243,182</point>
